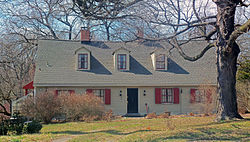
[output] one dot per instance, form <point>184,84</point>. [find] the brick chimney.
<point>85,34</point>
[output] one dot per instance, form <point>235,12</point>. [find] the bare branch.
<point>239,31</point>
<point>182,53</point>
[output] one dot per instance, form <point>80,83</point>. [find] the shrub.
<point>43,107</point>
<point>108,116</point>
<point>72,107</point>
<point>164,115</point>
<point>208,99</point>
<point>243,96</point>
<point>18,125</point>
<point>151,115</point>
<point>31,127</point>
<point>82,107</point>
<point>12,126</point>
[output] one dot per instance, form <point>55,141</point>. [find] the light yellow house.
<point>132,78</point>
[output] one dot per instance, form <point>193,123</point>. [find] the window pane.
<point>167,95</point>
<point>121,61</point>
<point>160,61</point>
<point>160,57</point>
<point>83,61</point>
<point>99,93</point>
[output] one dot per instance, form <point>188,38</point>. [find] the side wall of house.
<point>119,103</point>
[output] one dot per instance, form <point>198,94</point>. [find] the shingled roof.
<point>55,65</point>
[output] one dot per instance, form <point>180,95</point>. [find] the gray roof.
<point>55,65</point>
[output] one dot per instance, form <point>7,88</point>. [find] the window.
<point>121,62</point>
<point>104,94</point>
<point>167,95</point>
<point>199,96</point>
<point>99,93</point>
<point>82,61</point>
<point>160,61</point>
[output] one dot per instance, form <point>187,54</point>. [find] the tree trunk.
<point>226,61</point>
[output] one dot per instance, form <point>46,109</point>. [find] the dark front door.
<point>132,99</point>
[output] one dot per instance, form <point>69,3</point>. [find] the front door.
<point>132,106</point>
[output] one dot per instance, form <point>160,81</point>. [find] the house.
<point>131,78</point>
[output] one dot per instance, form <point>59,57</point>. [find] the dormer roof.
<point>160,50</point>
<point>82,48</point>
<point>121,48</point>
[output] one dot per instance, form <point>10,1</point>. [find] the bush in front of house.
<point>31,127</point>
<point>43,107</point>
<point>85,107</point>
<point>12,126</point>
<point>151,115</point>
<point>19,125</point>
<point>71,107</point>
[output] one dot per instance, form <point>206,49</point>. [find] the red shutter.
<point>107,96</point>
<point>176,95</point>
<point>71,92</point>
<point>56,93</point>
<point>157,95</point>
<point>192,95</point>
<point>209,96</point>
<point>26,92</point>
<point>89,91</point>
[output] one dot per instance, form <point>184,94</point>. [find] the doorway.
<point>132,98</point>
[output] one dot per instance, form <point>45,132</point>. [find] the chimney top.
<point>85,34</point>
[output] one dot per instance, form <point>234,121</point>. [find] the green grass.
<point>140,129</point>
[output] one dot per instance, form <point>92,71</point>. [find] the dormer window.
<point>82,61</point>
<point>121,61</point>
<point>160,61</point>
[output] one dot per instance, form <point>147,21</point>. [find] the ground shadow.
<point>115,132</point>
<point>137,68</point>
<point>69,132</point>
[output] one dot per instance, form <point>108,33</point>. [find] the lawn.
<point>141,129</point>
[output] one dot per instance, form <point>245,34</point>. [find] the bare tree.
<point>42,18</point>
<point>16,69</point>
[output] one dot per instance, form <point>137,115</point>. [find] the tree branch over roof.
<point>239,31</point>
<point>185,56</point>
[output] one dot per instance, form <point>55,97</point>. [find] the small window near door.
<point>167,95</point>
<point>121,62</point>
